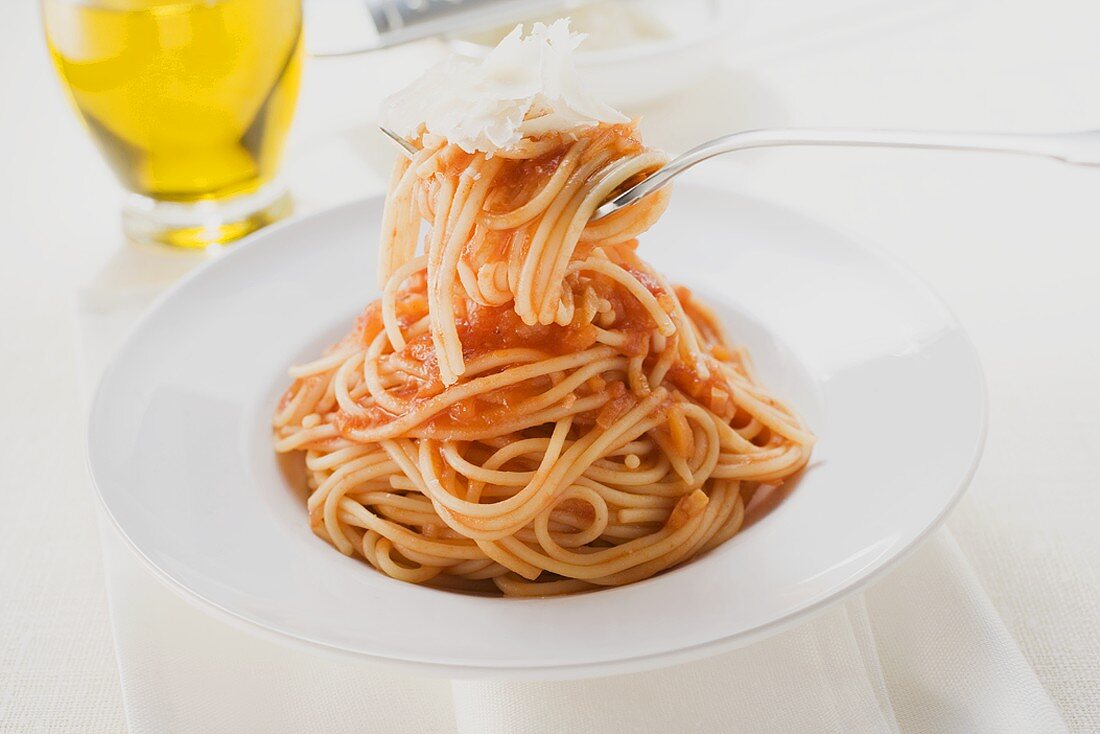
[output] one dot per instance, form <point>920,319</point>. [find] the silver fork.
<point>1079,148</point>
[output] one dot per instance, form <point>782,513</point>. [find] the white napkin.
<point>922,650</point>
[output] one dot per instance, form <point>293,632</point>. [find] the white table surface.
<point>1012,244</point>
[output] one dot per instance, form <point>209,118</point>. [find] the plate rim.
<point>553,671</point>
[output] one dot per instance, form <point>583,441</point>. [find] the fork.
<point>1078,148</point>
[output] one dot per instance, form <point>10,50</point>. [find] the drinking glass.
<point>190,102</point>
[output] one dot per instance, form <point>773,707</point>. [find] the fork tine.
<point>406,147</point>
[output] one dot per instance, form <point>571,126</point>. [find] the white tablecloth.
<point>1010,243</point>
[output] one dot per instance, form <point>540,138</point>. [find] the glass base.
<point>206,223</point>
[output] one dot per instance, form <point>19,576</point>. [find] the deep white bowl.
<point>180,449</point>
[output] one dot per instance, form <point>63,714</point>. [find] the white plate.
<point>180,449</point>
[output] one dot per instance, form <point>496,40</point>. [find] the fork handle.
<point>1080,148</point>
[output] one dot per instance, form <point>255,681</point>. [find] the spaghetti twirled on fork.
<point>530,408</point>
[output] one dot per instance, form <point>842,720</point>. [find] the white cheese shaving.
<point>526,86</point>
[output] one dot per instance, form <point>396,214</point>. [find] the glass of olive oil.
<point>190,102</point>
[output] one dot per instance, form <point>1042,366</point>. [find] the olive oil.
<point>189,100</point>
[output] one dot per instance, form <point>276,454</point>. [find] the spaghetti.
<point>529,408</point>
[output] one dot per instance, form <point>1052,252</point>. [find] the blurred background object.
<point>636,50</point>
<point>354,26</point>
<point>190,102</point>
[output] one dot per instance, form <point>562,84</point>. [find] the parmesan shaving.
<point>525,87</point>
